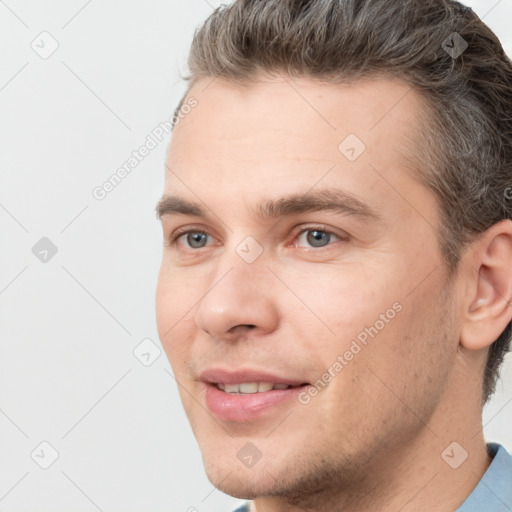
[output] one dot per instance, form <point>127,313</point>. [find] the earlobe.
<point>489,305</point>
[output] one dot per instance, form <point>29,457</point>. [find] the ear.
<point>488,302</point>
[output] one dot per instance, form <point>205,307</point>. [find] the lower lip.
<point>247,407</point>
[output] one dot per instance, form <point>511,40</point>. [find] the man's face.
<point>351,297</point>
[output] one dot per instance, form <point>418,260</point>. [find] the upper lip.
<point>218,375</point>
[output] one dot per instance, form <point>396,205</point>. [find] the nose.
<point>240,301</point>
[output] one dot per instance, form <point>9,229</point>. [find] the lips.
<point>219,376</point>
<point>245,395</point>
<point>247,388</point>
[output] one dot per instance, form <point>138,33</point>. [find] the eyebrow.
<point>337,201</point>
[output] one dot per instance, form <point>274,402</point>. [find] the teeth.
<point>250,387</point>
<point>231,388</point>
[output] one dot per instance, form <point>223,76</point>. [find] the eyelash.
<point>173,239</point>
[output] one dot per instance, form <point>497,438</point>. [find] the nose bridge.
<point>239,295</point>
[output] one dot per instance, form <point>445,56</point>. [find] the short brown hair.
<point>466,152</point>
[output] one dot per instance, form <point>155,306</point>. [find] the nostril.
<point>241,328</point>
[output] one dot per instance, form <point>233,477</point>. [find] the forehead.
<point>363,104</point>
<point>289,134</point>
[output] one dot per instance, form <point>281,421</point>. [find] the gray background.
<point>70,324</point>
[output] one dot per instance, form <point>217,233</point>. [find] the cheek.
<point>173,314</point>
<point>362,336</point>
<point>344,304</point>
<point>407,359</point>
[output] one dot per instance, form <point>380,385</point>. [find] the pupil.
<point>315,238</point>
<point>195,239</point>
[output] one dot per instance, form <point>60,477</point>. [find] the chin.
<point>237,481</point>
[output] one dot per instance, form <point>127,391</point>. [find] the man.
<point>336,283</point>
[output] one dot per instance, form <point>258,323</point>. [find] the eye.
<point>194,239</point>
<point>314,237</point>
<point>317,237</point>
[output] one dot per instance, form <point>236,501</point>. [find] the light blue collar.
<point>494,491</point>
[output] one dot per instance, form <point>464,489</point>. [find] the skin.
<point>372,439</point>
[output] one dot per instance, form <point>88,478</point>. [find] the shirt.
<point>492,494</point>
<point>494,491</point>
